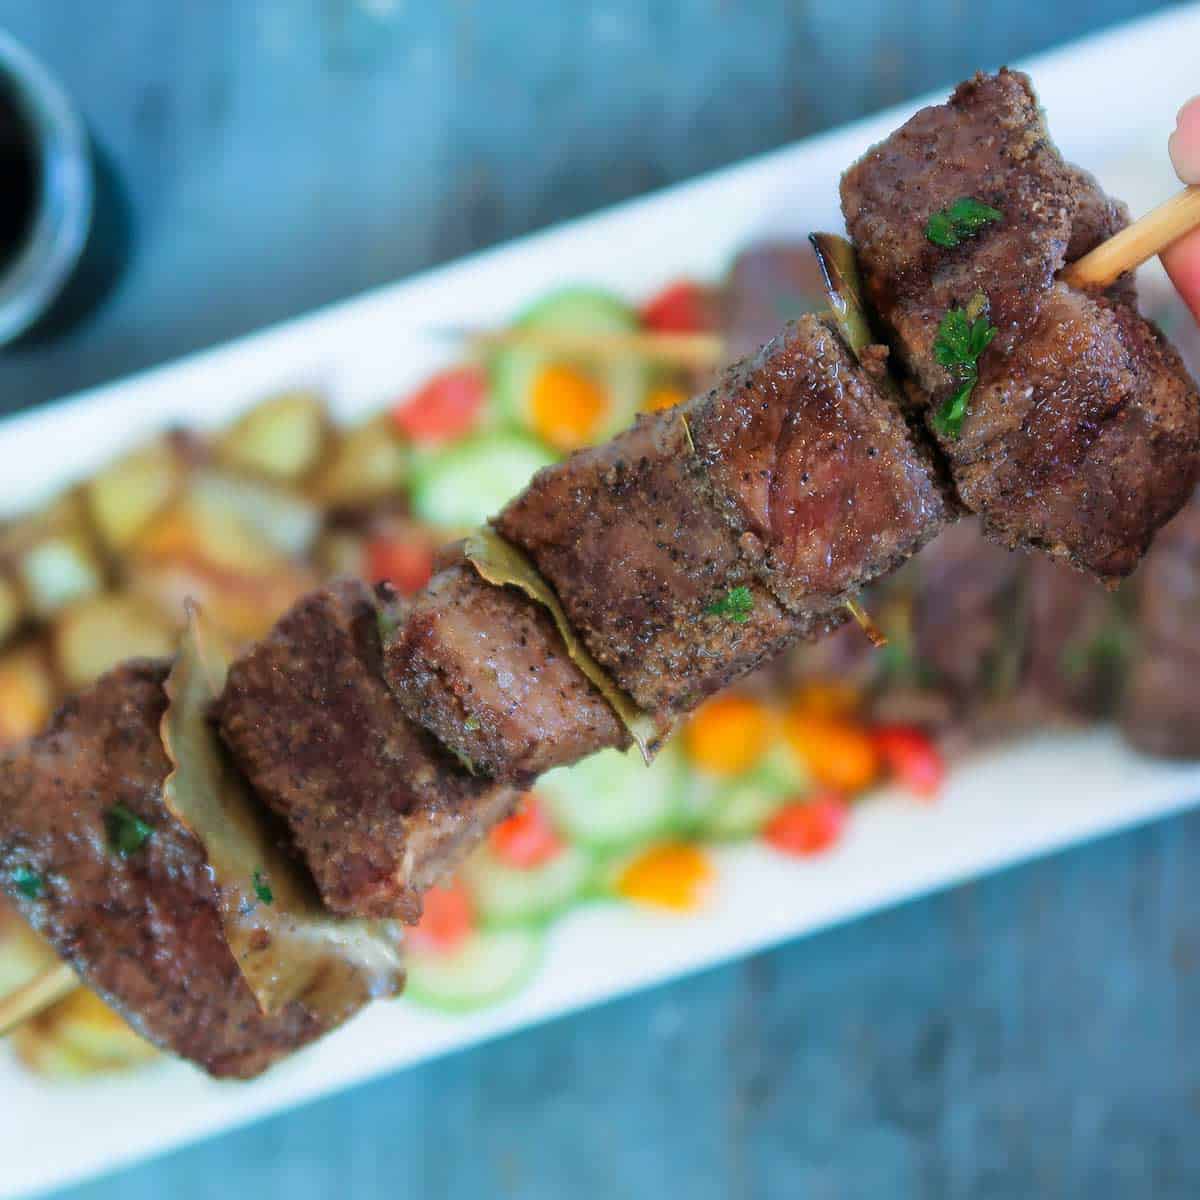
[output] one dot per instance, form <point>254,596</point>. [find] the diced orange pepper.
<point>664,397</point>
<point>838,753</point>
<point>729,735</point>
<point>447,919</point>
<point>568,407</point>
<point>527,839</point>
<point>674,876</point>
<point>808,826</point>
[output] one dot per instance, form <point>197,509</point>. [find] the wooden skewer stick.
<point>52,985</point>
<point>1134,245</point>
<point>866,623</point>
<point>696,350</point>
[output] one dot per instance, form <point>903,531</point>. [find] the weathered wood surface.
<point>1033,1035</point>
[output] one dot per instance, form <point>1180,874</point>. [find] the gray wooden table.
<point>1035,1034</point>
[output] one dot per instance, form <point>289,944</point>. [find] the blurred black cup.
<point>64,231</point>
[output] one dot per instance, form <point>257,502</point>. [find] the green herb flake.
<point>127,832</point>
<point>29,883</point>
<point>737,605</point>
<point>262,889</point>
<point>471,724</point>
<point>963,335</point>
<point>961,220</point>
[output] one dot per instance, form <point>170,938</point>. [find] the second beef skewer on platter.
<point>622,588</point>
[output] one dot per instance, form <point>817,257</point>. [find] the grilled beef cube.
<point>1160,711</point>
<point>376,807</point>
<point>707,538</point>
<point>1081,434</point>
<point>142,928</point>
<point>642,561</point>
<point>486,671</point>
<point>968,616</point>
<point>815,469</point>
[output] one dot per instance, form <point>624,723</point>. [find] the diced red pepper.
<point>681,307</point>
<point>447,919</point>
<point>527,839</point>
<point>444,408</point>
<point>912,758</point>
<point>405,563</point>
<point>809,826</point>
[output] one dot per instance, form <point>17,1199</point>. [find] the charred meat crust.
<point>810,462</point>
<point>1077,394</point>
<point>486,671</point>
<point>143,930</point>
<point>375,805</point>
<point>628,536</point>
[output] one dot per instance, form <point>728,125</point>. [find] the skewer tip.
<point>40,993</point>
<point>875,635</point>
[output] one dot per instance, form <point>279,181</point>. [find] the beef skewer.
<point>1068,423</point>
<point>681,555</point>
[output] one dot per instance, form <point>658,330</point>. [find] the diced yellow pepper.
<point>675,876</point>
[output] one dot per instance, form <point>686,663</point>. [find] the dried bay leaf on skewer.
<point>501,564</point>
<point>286,944</point>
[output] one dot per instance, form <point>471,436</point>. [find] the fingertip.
<point>1182,261</point>
<point>1184,143</point>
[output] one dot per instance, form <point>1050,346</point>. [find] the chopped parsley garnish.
<point>29,883</point>
<point>737,604</point>
<point>262,889</point>
<point>962,220</point>
<point>127,832</point>
<point>963,335</point>
<point>471,724</point>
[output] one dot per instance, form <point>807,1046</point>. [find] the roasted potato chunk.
<point>369,463</point>
<point>282,438</point>
<point>52,557</point>
<point>283,519</point>
<point>124,497</point>
<point>206,552</point>
<point>96,634</point>
<point>28,692</point>
<point>80,1036</point>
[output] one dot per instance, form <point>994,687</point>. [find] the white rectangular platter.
<point>998,810</point>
